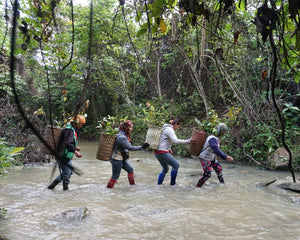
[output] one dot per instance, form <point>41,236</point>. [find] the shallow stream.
<point>240,209</point>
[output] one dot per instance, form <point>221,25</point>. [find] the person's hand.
<point>77,154</point>
<point>170,151</point>
<point>230,159</point>
<point>145,145</point>
<point>77,148</point>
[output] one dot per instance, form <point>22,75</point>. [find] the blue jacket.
<point>122,143</point>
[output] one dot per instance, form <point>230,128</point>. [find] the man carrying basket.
<point>67,147</point>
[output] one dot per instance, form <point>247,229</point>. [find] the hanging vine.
<point>29,124</point>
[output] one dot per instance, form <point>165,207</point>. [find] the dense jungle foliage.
<point>232,61</point>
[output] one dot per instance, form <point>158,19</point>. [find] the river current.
<point>240,209</point>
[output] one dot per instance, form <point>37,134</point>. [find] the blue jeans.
<point>117,166</point>
<point>66,172</point>
<point>166,159</point>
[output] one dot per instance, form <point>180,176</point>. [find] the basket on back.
<point>200,137</point>
<point>105,146</point>
<point>153,136</point>
<point>49,139</point>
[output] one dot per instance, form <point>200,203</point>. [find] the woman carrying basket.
<point>120,153</point>
<point>163,152</point>
<point>208,154</point>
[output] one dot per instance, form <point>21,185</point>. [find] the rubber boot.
<point>53,184</point>
<point>65,185</point>
<point>200,182</point>
<point>161,178</point>
<point>173,177</point>
<point>111,183</point>
<point>131,178</point>
<point>221,179</point>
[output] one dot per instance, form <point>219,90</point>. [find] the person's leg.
<point>116,170</point>
<point>170,160</point>
<point>126,166</point>
<point>206,165</point>
<point>165,168</point>
<point>66,173</point>
<point>56,181</point>
<point>218,169</point>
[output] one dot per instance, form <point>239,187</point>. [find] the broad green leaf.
<point>171,3</point>
<point>189,19</point>
<point>240,5</point>
<point>138,16</point>
<point>297,47</point>
<point>156,12</point>
<point>154,29</point>
<point>228,27</point>
<point>141,32</point>
<point>217,6</point>
<point>297,77</point>
<point>16,150</point>
<point>289,26</point>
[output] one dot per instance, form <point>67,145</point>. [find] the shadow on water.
<point>240,209</point>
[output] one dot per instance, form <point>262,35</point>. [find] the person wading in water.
<point>208,154</point>
<point>121,149</point>
<point>67,147</point>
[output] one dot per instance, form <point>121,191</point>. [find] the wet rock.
<point>3,238</point>
<point>73,214</point>
<point>294,187</point>
<point>285,186</point>
<point>295,200</point>
<point>136,159</point>
<point>280,159</point>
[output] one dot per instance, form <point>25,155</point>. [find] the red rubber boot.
<point>131,178</point>
<point>111,183</point>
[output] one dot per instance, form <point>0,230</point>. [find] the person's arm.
<point>213,142</point>
<point>124,142</point>
<point>214,145</point>
<point>69,140</point>
<point>172,136</point>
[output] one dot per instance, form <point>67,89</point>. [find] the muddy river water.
<point>240,209</point>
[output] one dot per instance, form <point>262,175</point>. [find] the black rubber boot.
<point>65,185</point>
<point>53,184</point>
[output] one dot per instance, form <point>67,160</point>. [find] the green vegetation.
<point>9,157</point>
<point>3,212</point>
<point>109,125</point>
<point>202,61</point>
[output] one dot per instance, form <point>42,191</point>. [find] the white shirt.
<point>168,137</point>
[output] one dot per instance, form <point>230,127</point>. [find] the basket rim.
<point>199,131</point>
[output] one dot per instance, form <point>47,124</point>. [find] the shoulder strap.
<point>203,149</point>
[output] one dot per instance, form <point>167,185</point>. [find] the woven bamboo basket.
<point>200,137</point>
<point>105,147</point>
<point>153,136</point>
<point>49,139</point>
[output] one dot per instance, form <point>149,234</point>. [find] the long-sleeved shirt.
<point>211,148</point>
<point>122,144</point>
<point>68,142</point>
<point>168,137</point>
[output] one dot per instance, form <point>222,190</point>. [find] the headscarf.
<point>221,128</point>
<point>78,119</point>
<point>124,126</point>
